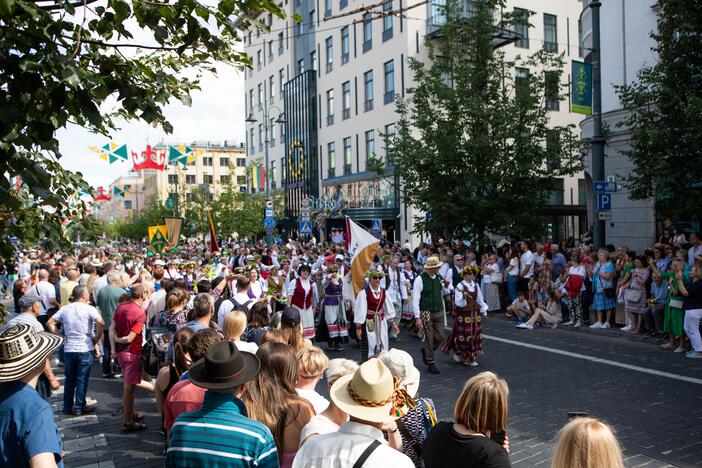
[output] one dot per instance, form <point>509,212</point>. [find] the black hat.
<point>224,366</point>
<point>304,266</point>
<point>290,316</point>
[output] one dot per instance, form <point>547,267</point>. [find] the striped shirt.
<point>220,434</point>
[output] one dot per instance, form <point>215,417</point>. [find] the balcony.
<point>551,47</point>
<point>464,9</point>
<point>343,4</point>
<point>345,114</point>
<point>368,45</point>
<point>347,169</point>
<point>331,173</point>
<point>389,97</point>
<point>328,67</point>
<point>344,59</point>
<point>368,105</point>
<point>387,35</point>
<point>330,120</point>
<point>281,49</point>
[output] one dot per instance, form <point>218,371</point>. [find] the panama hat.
<point>433,262</point>
<point>371,394</point>
<point>23,349</point>
<point>223,367</point>
<point>401,366</point>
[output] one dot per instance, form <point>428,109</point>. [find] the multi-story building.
<point>626,47</point>
<point>127,199</point>
<point>216,167</point>
<point>334,78</point>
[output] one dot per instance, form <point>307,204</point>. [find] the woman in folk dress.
<point>300,296</point>
<point>466,339</point>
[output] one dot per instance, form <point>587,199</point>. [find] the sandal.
<point>139,417</point>
<point>133,427</point>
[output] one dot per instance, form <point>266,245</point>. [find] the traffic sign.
<point>268,213</point>
<point>377,225</point>
<point>305,227</point>
<point>604,202</point>
<point>605,216</point>
<point>269,231</point>
<point>602,186</point>
<point>269,223</point>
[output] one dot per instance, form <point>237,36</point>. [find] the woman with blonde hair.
<point>313,362</point>
<point>478,437</point>
<point>232,329</point>
<point>587,443</point>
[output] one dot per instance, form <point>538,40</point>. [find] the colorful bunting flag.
<point>179,154</point>
<point>111,152</point>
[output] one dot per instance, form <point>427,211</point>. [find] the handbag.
<point>496,277</point>
<point>675,303</point>
<point>632,295</point>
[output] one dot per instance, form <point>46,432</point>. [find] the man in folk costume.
<point>429,309</point>
<point>300,295</point>
<point>372,312</point>
<point>394,285</point>
<point>333,327</point>
<point>466,339</point>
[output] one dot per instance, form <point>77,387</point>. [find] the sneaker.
<point>522,326</point>
<point>457,358</point>
<point>666,346</point>
<point>596,325</point>
<point>605,325</point>
<point>627,328</point>
<point>679,349</point>
<point>471,364</point>
<point>569,323</point>
<point>694,355</point>
<point>578,324</point>
<point>554,326</point>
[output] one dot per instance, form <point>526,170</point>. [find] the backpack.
<point>153,353</point>
<point>573,285</point>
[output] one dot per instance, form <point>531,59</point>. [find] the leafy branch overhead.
<point>96,65</point>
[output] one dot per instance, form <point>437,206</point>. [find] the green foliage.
<point>665,111</point>
<point>470,146</point>
<point>137,229</point>
<point>79,63</point>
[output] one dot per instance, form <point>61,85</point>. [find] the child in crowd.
<point>519,309</point>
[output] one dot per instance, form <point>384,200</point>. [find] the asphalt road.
<point>653,398</point>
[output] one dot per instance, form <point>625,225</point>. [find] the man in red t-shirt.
<point>126,340</point>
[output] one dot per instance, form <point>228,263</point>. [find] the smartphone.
<point>576,414</point>
<point>498,437</point>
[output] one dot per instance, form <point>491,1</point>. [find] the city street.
<point>653,398</point>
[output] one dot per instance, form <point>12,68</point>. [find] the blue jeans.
<point>512,287</point>
<point>76,367</point>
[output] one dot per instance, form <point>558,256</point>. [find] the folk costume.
<point>333,326</point>
<point>300,296</point>
<point>275,291</point>
<point>408,277</point>
<point>372,310</point>
<point>428,300</point>
<point>465,339</point>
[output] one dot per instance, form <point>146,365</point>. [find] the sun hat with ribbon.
<point>223,367</point>
<point>433,262</point>
<point>23,349</point>
<point>371,394</point>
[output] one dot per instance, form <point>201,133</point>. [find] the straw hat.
<point>401,366</point>
<point>433,262</point>
<point>371,394</point>
<point>23,349</point>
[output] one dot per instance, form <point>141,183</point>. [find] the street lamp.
<point>266,122</point>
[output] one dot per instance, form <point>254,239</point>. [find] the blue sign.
<point>601,186</point>
<point>269,223</point>
<point>377,225</point>
<point>268,213</point>
<point>604,202</point>
<point>306,227</point>
<point>581,89</point>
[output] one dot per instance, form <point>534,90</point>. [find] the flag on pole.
<point>173,226</point>
<point>213,236</point>
<point>361,247</point>
<point>258,177</point>
<point>158,238</point>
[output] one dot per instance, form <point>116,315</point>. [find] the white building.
<point>335,78</point>
<point>625,28</point>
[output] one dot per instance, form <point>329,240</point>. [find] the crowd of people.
<point>231,345</point>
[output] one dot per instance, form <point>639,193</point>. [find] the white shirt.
<point>318,424</point>
<point>157,304</point>
<point>293,284</point>
<point>172,273</point>
<point>692,253</point>
<point>493,268</point>
<point>318,401</point>
<point>360,308</point>
<point>27,318</point>
<point>99,283</point>
<point>77,319</point>
<point>527,261</point>
<point>46,291</point>
<point>580,271</point>
<point>341,449</point>
<point>227,306</point>
<point>514,263</point>
<point>396,289</point>
<point>246,346</point>
<point>25,269</point>
<point>470,287</point>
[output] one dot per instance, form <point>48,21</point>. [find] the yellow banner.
<point>173,226</point>
<point>158,238</point>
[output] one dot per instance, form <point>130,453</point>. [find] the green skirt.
<point>673,319</point>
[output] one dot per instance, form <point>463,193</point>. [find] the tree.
<point>664,113</point>
<point>77,62</point>
<point>471,145</point>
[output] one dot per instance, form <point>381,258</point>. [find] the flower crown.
<point>470,268</point>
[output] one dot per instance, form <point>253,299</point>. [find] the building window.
<point>313,60</point>
<point>274,174</point>
<point>240,162</point>
<point>387,21</point>
<point>389,72</point>
<point>388,138</point>
<point>368,90</point>
<point>370,145</point>
<point>224,179</point>
<point>553,150</point>
<point>272,136</point>
<point>271,87</point>
<point>281,43</point>
<point>367,32</point>
<point>281,80</point>
<point>223,161</point>
<point>173,179</point>
<point>241,180</point>
<point>550,33</point>
<point>313,18</point>
<point>346,100</point>
<point>343,4</point>
<point>252,142</point>
<point>259,60</point>
<point>521,83</point>
<point>327,8</point>
<point>190,179</point>
<point>127,204</point>
<point>207,179</point>
<point>207,161</point>
<point>260,94</point>
<point>551,90</point>
<point>344,45</point>
<point>331,159</point>
<point>330,107</point>
<point>329,47</point>
<point>260,137</point>
<point>521,27</point>
<point>270,51</point>
<point>300,66</point>
<point>251,100</point>
<point>347,155</point>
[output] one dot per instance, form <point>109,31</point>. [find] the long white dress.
<point>380,333</point>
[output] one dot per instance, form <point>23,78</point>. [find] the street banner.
<point>581,88</point>
<point>213,235</point>
<point>258,177</point>
<point>361,247</point>
<point>111,152</point>
<point>158,238</point>
<point>173,226</point>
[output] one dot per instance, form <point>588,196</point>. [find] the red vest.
<point>375,304</point>
<point>300,299</point>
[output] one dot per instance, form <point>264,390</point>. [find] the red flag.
<point>213,236</point>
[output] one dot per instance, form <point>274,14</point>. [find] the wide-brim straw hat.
<point>433,262</point>
<point>371,394</point>
<point>23,349</point>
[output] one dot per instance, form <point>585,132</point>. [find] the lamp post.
<point>266,122</point>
